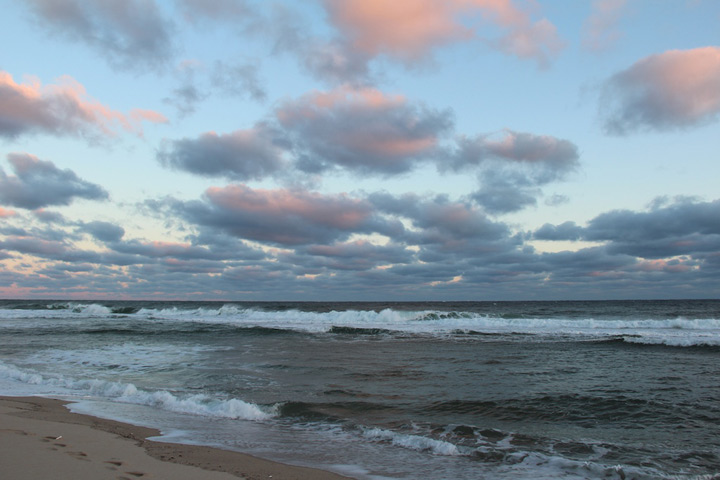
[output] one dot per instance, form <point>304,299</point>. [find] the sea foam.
<point>204,405</point>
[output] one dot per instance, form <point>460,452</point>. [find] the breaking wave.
<point>203,405</point>
<point>674,332</point>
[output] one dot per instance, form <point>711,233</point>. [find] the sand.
<point>41,439</point>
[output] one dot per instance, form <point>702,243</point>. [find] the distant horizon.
<point>357,149</point>
<point>365,301</point>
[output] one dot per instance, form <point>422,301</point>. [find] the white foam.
<point>677,341</point>
<point>128,393</point>
<point>676,331</point>
<point>413,442</point>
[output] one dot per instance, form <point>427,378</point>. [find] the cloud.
<point>130,34</point>
<point>504,191</point>
<point>599,31</point>
<point>328,59</point>
<point>216,10</point>
<point>5,213</point>
<point>186,97</point>
<point>224,79</point>
<point>35,246</point>
<point>356,255</point>
<point>61,109</point>
<point>40,183</point>
<point>104,231</point>
<point>363,130</point>
<point>284,217</point>
<point>446,249</point>
<point>551,157</point>
<point>239,80</point>
<point>564,231</point>
<point>409,31</point>
<point>250,154</point>
<point>176,250</point>
<point>47,216</point>
<point>667,91</point>
<point>681,228</point>
<point>442,227</point>
<point>511,166</point>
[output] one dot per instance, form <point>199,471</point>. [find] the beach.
<point>41,438</point>
<point>519,390</point>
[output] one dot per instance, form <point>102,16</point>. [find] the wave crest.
<point>199,404</point>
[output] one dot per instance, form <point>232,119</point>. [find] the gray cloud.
<point>512,166</point>
<point>239,80</point>
<point>40,183</point>
<point>480,258</point>
<point>34,246</point>
<point>668,91</point>
<point>224,79</point>
<point>504,191</point>
<point>131,34</point>
<point>46,216</point>
<point>348,256</point>
<point>332,60</point>
<point>547,158</point>
<point>283,217</point>
<point>681,228</point>
<point>564,231</point>
<point>363,130</point>
<point>444,229</point>
<point>251,154</point>
<point>216,10</point>
<point>186,97</point>
<point>103,231</point>
<point>667,221</point>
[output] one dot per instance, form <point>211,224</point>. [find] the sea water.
<point>506,390</point>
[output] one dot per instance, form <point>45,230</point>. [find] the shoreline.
<point>41,438</point>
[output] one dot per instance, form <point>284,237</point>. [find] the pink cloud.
<point>313,104</point>
<point>64,108</point>
<point>336,211</point>
<point>409,30</point>
<point>363,128</point>
<point>677,88</point>
<point>5,213</point>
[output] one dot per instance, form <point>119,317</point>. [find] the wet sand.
<point>40,438</point>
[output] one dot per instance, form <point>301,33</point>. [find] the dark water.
<point>395,390</point>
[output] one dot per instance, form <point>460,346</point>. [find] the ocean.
<point>442,390</point>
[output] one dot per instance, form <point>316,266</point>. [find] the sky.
<point>342,150</point>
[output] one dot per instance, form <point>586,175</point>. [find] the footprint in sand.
<point>115,463</point>
<point>12,430</point>
<point>79,455</point>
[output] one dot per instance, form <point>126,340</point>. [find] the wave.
<point>677,341</point>
<point>413,442</point>
<point>507,460</point>
<point>586,411</point>
<point>675,332</point>
<point>198,404</point>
